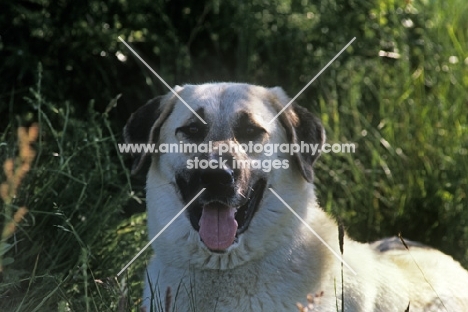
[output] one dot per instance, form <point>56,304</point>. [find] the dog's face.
<point>234,219</point>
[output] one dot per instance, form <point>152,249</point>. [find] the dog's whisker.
<point>239,192</point>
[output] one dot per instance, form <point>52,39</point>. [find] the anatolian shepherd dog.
<point>237,247</point>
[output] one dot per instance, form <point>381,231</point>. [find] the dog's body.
<point>237,247</point>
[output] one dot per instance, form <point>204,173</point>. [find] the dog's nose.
<point>213,177</point>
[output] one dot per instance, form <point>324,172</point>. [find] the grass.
<point>15,170</point>
<point>65,249</point>
<point>408,116</point>
<point>412,143</point>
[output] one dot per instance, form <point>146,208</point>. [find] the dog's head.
<point>224,157</point>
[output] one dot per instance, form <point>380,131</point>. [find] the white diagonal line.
<point>313,79</point>
<point>159,233</point>
<point>162,80</point>
<point>313,232</point>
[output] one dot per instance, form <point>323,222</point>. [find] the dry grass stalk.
<point>15,170</point>
<point>312,302</point>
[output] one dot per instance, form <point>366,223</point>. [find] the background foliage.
<point>399,92</point>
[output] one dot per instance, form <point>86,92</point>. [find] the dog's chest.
<point>242,289</point>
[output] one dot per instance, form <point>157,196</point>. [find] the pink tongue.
<point>218,226</point>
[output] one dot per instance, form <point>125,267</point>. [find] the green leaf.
<point>7,261</point>
<point>4,247</point>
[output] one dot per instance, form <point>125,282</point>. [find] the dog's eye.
<point>248,133</point>
<point>250,130</point>
<point>193,131</point>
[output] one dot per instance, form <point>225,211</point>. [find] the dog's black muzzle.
<point>226,187</point>
<point>219,182</point>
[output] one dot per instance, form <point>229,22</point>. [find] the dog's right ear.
<point>138,129</point>
<point>144,125</point>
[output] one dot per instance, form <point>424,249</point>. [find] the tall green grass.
<point>409,172</point>
<point>68,249</point>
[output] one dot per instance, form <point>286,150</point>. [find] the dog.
<point>237,247</point>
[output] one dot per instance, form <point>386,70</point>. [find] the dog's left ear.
<point>309,129</point>
<point>301,126</point>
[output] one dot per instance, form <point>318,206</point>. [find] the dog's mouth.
<point>220,225</point>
